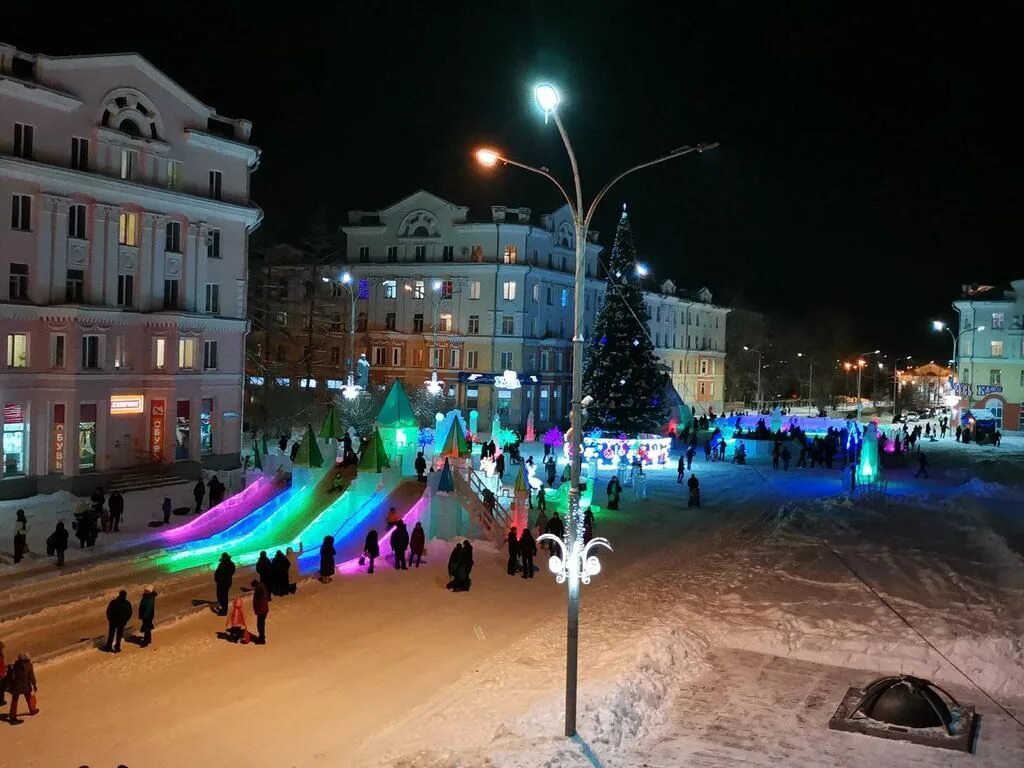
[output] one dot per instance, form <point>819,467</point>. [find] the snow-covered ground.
<point>713,637</point>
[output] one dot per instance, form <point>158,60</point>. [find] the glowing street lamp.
<point>642,270</point>
<point>575,573</point>
<point>758,351</point>
<point>939,325</point>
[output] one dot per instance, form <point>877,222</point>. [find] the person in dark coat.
<point>116,504</point>
<point>528,551</point>
<point>147,614</point>
<point>216,489</point>
<point>454,563</point>
<point>261,607</point>
<point>400,543</point>
<point>588,526</point>
<point>555,526</point>
<point>499,466</point>
<point>20,681</point>
<point>279,574</point>
<point>59,540</point>
<point>513,551</point>
<point>222,577</point>
<point>922,465</point>
<point>371,547</point>
<point>198,492</point>
<point>167,508</point>
<point>88,528</point>
<point>542,500</point>
<point>549,465</point>
<point>467,565</point>
<point>327,553</point>
<point>417,541</point>
<point>119,613</point>
<point>265,571</point>
<point>98,499</point>
<point>20,535</point>
<point>681,468</point>
<point>421,466</point>
<point>3,674</point>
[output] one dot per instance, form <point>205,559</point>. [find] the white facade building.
<point>689,338</point>
<point>123,238</point>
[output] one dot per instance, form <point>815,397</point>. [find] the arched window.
<point>131,112</point>
<point>130,126</point>
<point>421,231</point>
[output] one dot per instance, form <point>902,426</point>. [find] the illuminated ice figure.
<point>868,469</point>
<point>433,384</point>
<point>579,565</point>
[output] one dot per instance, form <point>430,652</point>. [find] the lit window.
<point>565,297</point>
<point>997,320</point>
<point>508,291</point>
<point>120,352</point>
<point>161,345</point>
<point>127,229</point>
<point>17,350</point>
<point>175,174</point>
<point>445,324</point>
<point>997,349</point>
<point>474,324</point>
<point>334,384</point>
<point>510,254</point>
<point>186,354</point>
<point>127,169</point>
<point>507,325</point>
<point>390,289</point>
<point>474,289</point>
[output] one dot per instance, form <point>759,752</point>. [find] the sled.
<point>182,510</point>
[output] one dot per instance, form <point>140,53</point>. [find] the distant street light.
<point>757,404</point>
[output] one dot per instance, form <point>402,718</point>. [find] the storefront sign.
<point>126,404</point>
<point>967,391</point>
<point>988,389</point>
<point>58,437</point>
<point>156,430</point>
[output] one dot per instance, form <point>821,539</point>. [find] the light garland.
<point>579,565</point>
<point>434,385</point>
<point>351,390</point>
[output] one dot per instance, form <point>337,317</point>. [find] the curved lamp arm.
<point>540,172</point>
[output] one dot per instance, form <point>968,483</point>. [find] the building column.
<point>199,262</point>
<point>156,288</point>
<point>39,283</point>
<point>72,418</point>
<point>145,298</point>
<point>189,269</point>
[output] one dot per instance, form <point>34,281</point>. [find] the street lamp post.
<point>575,566</point>
<point>860,368</point>
<point>350,390</point>
<point>939,325</point>
<point>810,381</point>
<point>757,405</point>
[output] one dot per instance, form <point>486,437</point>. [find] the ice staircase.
<point>470,490</point>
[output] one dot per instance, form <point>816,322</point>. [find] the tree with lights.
<point>620,369</point>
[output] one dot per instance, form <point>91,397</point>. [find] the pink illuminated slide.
<point>227,513</point>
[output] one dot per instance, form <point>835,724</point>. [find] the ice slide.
<point>227,513</point>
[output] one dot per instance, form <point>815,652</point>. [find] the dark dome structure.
<point>906,701</point>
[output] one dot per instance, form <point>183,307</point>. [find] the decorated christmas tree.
<point>620,369</point>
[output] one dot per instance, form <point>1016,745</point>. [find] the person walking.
<point>786,456</point>
<point>260,607</point>
<point>681,468</point>
<point>20,535</point>
<point>454,563</point>
<point>116,504</point>
<point>167,509</point>
<point>417,542</point>
<point>513,551</point>
<point>467,565</point>
<point>922,465</point>
<point>421,467</point>
<point>293,568</point>
<point>527,551</point>
<point>222,577</point>
<point>21,681</point>
<point>279,574</point>
<point>327,553</point>
<point>588,526</point>
<point>371,547</point>
<point>265,571</point>
<point>542,500</point>
<point>555,527</point>
<point>119,613</point>
<point>198,492</point>
<point>147,614</point>
<point>216,489</point>
<point>542,522</point>
<point>400,543</point>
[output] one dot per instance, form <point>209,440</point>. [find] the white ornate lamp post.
<point>575,566</point>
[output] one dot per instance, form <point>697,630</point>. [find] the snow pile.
<point>978,487</point>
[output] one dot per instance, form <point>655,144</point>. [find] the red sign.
<point>156,430</point>
<point>58,437</point>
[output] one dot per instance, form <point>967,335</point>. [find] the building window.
<point>536,293</point>
<point>390,289</point>
<point>76,222</point>
<point>172,242</point>
<point>550,294</point>
<point>127,228</point>
<point>18,284</point>
<point>474,289</point>
<point>997,321</point>
<point>510,254</point>
<point>477,254</point>
<point>90,352</point>
<point>997,348</point>
<point>125,290</point>
<point>213,298</point>
<point>420,253</point>
<point>175,174</point>
<point>396,356</point>
<point>120,352</point>
<point>58,343</point>
<point>364,254</point>
<point>418,289</point>
<point>23,135</point>
<point>170,294</point>
<point>445,323</point>
<point>216,180</point>
<point>186,354</point>
<point>453,358</point>
<point>392,254</point>
<point>417,323</point>
<point>80,154</point>
<point>448,253</point>
<point>17,350</point>
<point>335,355</point>
<point>378,356</point>
<point>336,289</point>
<point>14,439</point>
<point>21,212</point>
<point>506,361</point>
<point>507,325</point>
<point>213,244</point>
<point>447,289</point>
<point>703,367</point>
<point>361,321</point>
<point>474,324</point>
<point>209,355</point>
<point>564,300</point>
<point>417,358</point>
<point>545,360</point>
<point>74,287</point>
<point>389,321</point>
<point>159,353</point>
<point>995,376</point>
<point>281,319</point>
<point>508,291</point>
<point>127,167</point>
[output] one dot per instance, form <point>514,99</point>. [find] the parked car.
<point>911,416</point>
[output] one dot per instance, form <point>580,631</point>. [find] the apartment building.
<point>124,240</point>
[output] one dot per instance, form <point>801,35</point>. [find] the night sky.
<point>870,160</point>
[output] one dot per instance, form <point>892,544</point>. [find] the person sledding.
<point>235,624</point>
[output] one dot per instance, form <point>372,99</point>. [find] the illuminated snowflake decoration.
<point>579,565</point>
<point>351,390</point>
<point>508,380</point>
<point>434,385</point>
